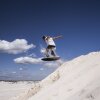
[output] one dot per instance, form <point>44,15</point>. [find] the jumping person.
<point>51,46</point>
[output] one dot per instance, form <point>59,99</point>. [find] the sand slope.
<point>78,79</point>
<point>8,90</point>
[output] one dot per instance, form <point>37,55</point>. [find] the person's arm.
<point>57,37</point>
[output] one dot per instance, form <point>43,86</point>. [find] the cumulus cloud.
<point>27,60</point>
<point>15,47</point>
<point>31,60</point>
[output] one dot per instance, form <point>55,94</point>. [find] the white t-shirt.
<point>50,41</point>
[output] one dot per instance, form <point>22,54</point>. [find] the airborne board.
<point>50,58</point>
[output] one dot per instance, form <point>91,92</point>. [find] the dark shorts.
<point>50,46</point>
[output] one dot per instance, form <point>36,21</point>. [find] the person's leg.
<point>50,51</point>
<point>53,51</point>
<point>47,52</point>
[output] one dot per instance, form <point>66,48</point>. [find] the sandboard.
<point>50,58</point>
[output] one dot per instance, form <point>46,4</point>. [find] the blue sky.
<point>78,21</point>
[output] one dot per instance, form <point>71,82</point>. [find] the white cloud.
<point>28,60</point>
<point>15,47</point>
<point>31,60</point>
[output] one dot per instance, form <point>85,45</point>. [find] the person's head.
<point>43,37</point>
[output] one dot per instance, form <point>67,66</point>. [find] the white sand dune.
<point>9,90</point>
<point>78,79</point>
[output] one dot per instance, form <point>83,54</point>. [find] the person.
<point>51,46</point>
